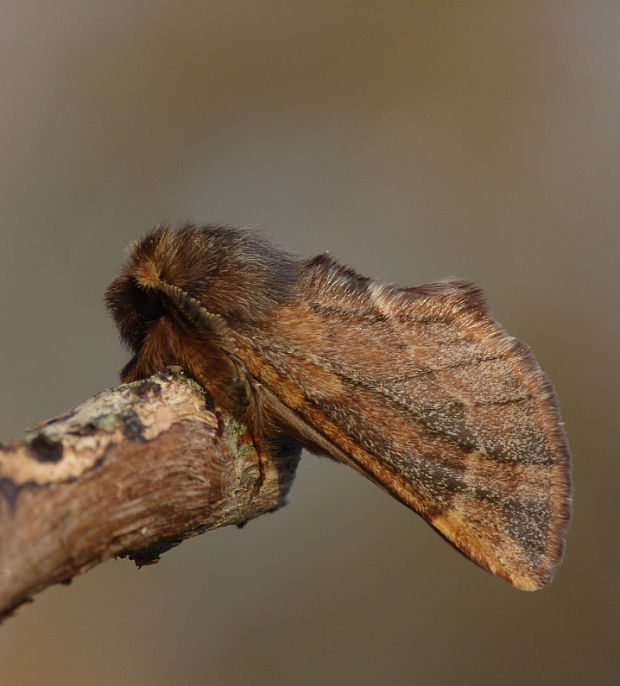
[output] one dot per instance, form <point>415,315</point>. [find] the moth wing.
<point>424,393</point>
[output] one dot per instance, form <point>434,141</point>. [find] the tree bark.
<point>131,472</point>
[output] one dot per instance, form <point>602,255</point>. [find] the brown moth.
<point>419,389</point>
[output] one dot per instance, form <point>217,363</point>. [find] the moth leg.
<point>253,420</point>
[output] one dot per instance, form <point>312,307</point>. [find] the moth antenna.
<point>196,313</point>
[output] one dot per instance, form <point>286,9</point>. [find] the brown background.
<point>414,141</point>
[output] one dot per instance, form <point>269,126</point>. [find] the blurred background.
<point>414,141</point>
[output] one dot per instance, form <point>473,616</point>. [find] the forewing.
<point>423,392</point>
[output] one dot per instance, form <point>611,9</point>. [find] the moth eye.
<point>152,309</point>
<point>136,319</point>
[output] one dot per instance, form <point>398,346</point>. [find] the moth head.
<point>135,309</point>
<point>231,273</point>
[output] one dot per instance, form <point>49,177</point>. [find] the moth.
<point>419,389</point>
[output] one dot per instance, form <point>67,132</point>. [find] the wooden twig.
<point>131,472</point>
